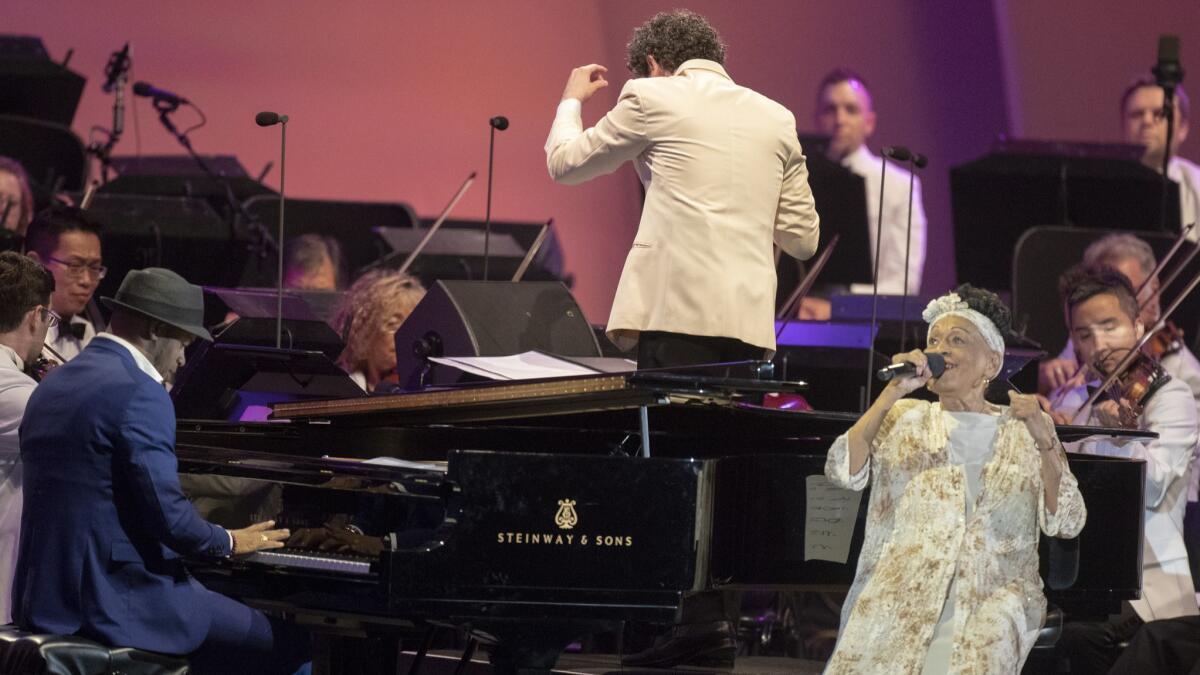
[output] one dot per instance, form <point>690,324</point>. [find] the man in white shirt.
<point>67,242</point>
<point>1102,317</point>
<point>846,112</point>
<point>1143,123</point>
<point>25,289</point>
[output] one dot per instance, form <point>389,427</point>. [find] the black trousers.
<point>659,349</point>
<point>1093,646</point>
<point>1168,646</point>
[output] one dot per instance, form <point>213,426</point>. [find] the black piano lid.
<point>412,480</point>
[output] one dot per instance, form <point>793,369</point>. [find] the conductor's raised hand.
<point>258,537</point>
<point>585,81</point>
<point>902,386</point>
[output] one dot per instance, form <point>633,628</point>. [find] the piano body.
<point>528,515</point>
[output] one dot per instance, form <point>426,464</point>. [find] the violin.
<point>43,364</point>
<point>1133,386</point>
<point>1165,342</point>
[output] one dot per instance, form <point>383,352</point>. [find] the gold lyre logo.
<point>566,518</point>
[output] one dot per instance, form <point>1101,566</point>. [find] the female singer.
<point>948,576</point>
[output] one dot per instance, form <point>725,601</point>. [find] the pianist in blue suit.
<point>106,522</point>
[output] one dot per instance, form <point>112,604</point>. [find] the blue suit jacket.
<point>105,521</point>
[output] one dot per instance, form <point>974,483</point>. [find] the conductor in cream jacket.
<point>724,177</point>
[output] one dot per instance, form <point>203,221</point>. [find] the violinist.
<point>25,316</point>
<point>1103,323</point>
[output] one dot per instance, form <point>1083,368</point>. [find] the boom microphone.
<point>499,122</point>
<point>150,91</point>
<point>937,366</point>
<point>898,153</point>
<point>268,119</point>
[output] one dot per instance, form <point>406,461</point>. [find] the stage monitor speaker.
<point>489,318</point>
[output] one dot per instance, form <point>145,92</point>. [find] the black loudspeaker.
<point>489,318</point>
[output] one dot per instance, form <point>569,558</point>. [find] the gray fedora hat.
<point>164,295</point>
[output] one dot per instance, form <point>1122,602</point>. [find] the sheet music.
<point>526,366</point>
<point>829,517</point>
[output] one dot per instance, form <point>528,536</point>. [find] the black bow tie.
<point>72,328</point>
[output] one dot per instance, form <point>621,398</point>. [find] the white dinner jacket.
<point>724,177</point>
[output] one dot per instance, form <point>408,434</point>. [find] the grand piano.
<point>532,514</point>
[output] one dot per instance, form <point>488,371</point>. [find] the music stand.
<point>1024,184</point>
<point>456,251</point>
<point>256,309</point>
<point>228,382</point>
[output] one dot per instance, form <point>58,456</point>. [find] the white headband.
<point>952,305</point>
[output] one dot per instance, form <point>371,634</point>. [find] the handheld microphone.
<point>499,122</point>
<point>269,119</point>
<point>150,91</point>
<point>937,366</point>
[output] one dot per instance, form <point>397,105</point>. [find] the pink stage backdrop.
<point>390,100</point>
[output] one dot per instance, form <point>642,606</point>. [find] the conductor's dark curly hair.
<point>672,38</point>
<point>988,304</point>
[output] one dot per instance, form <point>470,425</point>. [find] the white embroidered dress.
<point>919,539</point>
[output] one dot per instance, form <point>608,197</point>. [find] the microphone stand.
<point>487,219</point>
<point>283,120</point>
<point>236,208</point>
<point>875,286</point>
<point>912,180</point>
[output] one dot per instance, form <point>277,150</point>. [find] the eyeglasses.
<point>79,269</point>
<point>51,316</point>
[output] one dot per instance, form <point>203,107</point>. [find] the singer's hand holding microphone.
<point>911,371</point>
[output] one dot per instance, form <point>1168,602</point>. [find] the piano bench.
<point>23,653</point>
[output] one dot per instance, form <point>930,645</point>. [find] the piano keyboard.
<point>312,560</point>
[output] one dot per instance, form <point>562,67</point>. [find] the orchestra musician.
<point>369,314</point>
<point>1134,259</point>
<point>845,111</point>
<point>1103,321</point>
<point>101,555</point>
<point>698,284</point>
<point>16,196</point>
<point>67,241</point>
<point>25,316</point>
<point>948,579</point>
<point>1143,123</point>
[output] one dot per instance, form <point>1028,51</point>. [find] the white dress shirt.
<point>67,345</point>
<point>15,389</point>
<point>1187,174</point>
<point>1183,366</point>
<point>895,222</point>
<point>1167,587</point>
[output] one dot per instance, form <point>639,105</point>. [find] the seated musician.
<point>67,242</point>
<point>369,314</point>
<point>313,262</point>
<point>16,197</point>
<point>25,316</point>
<point>948,576</point>
<point>1102,317</point>
<point>101,556</point>
<point>1134,259</point>
<point>1143,123</point>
